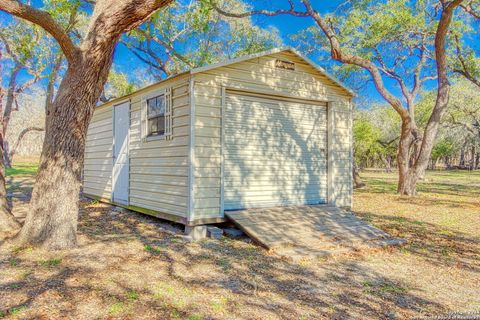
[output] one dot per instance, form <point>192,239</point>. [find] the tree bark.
<point>406,185</point>
<point>472,159</point>
<point>52,220</point>
<point>7,159</point>
<point>408,180</point>
<point>462,155</point>
<point>446,161</point>
<point>357,180</point>
<point>8,223</point>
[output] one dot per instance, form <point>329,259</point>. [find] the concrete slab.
<point>309,231</point>
<point>196,233</point>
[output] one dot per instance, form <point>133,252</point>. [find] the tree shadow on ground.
<point>127,267</point>
<point>257,280</point>
<point>437,244</point>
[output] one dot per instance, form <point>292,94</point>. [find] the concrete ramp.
<point>309,231</point>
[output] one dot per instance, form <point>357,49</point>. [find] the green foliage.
<point>14,262</point>
<point>445,147</point>
<point>61,10</point>
<point>471,62</point>
<point>461,125</point>
<point>118,85</point>
<point>225,264</point>
<point>375,134</point>
<point>191,34</point>
<point>375,127</point>
<point>388,33</point>
<point>367,138</point>
<point>464,105</point>
<point>392,35</point>
<point>29,45</point>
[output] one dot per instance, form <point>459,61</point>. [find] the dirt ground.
<point>127,267</point>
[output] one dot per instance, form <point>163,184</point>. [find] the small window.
<point>156,116</point>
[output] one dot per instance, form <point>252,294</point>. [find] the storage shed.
<point>264,130</point>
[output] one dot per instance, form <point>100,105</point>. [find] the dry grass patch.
<point>126,267</point>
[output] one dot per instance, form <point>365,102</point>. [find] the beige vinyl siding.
<point>159,169</point>
<point>97,168</point>
<point>342,152</point>
<point>182,176</point>
<point>258,75</point>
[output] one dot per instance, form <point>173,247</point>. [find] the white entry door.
<point>121,122</point>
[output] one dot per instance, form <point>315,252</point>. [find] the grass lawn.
<point>25,168</point>
<point>125,267</point>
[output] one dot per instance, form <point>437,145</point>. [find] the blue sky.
<point>286,24</point>
<point>126,62</point>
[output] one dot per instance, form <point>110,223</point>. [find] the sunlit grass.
<point>22,169</point>
<point>453,182</point>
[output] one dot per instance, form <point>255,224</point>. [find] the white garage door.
<point>274,152</point>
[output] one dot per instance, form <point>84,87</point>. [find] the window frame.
<point>148,137</point>
<point>163,115</point>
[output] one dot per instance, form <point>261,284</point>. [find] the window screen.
<point>156,116</point>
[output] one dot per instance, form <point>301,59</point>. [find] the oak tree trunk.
<point>53,215</point>
<point>406,183</point>
<point>7,159</point>
<point>462,155</point>
<point>472,159</point>
<point>8,223</point>
<point>357,180</point>
<point>52,219</point>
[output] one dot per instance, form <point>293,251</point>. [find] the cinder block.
<point>233,232</point>
<point>214,232</point>
<point>196,233</point>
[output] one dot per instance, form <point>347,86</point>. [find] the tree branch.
<point>464,68</point>
<point>10,51</point>
<point>169,48</point>
<point>20,138</point>
<point>443,90</point>
<point>52,78</point>
<point>417,82</point>
<point>336,49</point>
<point>339,55</point>
<point>290,11</point>
<point>44,20</point>
<point>157,65</point>
<point>468,9</point>
<point>28,84</point>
